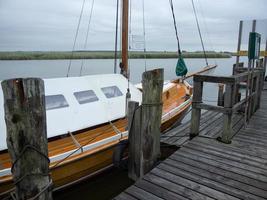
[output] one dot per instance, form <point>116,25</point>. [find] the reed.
<point>58,55</point>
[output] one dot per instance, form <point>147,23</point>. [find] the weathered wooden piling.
<point>196,112</point>
<point>134,140</point>
<point>25,117</point>
<point>227,119</point>
<point>220,95</point>
<point>144,132</point>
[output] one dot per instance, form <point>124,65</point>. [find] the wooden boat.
<point>86,121</point>
<point>91,130</point>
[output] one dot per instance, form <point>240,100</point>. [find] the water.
<point>59,68</point>
<point>112,182</point>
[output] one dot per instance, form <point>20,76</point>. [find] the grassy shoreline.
<point>61,55</point>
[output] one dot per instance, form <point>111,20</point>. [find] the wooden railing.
<point>232,102</point>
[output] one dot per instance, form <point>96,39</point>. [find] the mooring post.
<point>25,117</point>
<point>196,112</point>
<point>227,117</point>
<point>151,113</point>
<point>220,94</point>
<point>145,133</point>
<point>134,137</point>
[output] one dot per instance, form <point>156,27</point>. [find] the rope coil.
<point>47,187</point>
<point>24,150</point>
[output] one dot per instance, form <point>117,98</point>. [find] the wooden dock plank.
<point>192,185</point>
<point>125,196</point>
<point>141,194</point>
<point>205,168</point>
<point>217,171</point>
<point>175,187</point>
<point>232,150</point>
<point>223,191</point>
<point>225,159</point>
<point>236,155</point>
<point>221,165</point>
<point>159,191</point>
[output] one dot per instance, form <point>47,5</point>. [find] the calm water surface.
<point>59,68</point>
<point>113,181</point>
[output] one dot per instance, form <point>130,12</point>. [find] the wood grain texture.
<point>205,168</point>
<point>151,112</point>
<point>25,118</point>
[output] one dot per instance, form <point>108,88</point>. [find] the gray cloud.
<point>51,24</point>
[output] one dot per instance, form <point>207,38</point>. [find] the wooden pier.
<point>205,168</point>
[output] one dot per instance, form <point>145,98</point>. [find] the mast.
<point>125,27</point>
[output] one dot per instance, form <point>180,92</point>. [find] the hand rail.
<point>231,101</point>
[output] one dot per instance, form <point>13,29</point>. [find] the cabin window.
<point>111,92</point>
<point>87,96</point>
<point>55,101</point>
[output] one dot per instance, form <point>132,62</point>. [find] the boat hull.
<point>85,164</point>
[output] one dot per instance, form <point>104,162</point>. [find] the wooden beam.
<point>134,125</point>
<point>25,117</point>
<point>196,112</point>
<point>214,79</point>
<point>125,27</point>
<point>227,119</point>
<point>212,108</point>
<point>220,94</point>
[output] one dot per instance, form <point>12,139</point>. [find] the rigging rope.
<point>199,32</point>
<point>206,28</point>
<point>144,33</point>
<point>116,38</point>
<point>129,41</point>
<point>87,34</point>
<point>75,38</point>
<point>181,69</point>
<point>175,26</point>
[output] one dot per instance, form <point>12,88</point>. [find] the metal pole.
<point>249,81</point>
<point>116,39</point>
<point>238,45</point>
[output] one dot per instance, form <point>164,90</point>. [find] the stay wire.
<point>199,32</point>
<point>116,38</point>
<point>87,34</point>
<point>75,38</point>
<point>207,29</point>
<point>129,42</point>
<point>175,26</point>
<point>144,34</point>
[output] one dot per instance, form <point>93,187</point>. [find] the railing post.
<point>251,98</point>
<point>258,92</point>
<point>220,94</point>
<point>196,112</point>
<point>227,118</point>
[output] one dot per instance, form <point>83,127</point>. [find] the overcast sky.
<point>27,25</point>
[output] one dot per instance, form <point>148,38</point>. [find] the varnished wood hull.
<point>93,161</point>
<point>75,171</point>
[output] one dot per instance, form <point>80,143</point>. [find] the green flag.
<point>181,69</point>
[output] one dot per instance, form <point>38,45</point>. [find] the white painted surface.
<point>79,116</point>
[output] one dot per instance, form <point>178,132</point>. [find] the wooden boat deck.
<point>172,98</point>
<point>204,168</point>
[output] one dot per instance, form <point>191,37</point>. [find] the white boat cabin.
<point>77,103</point>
